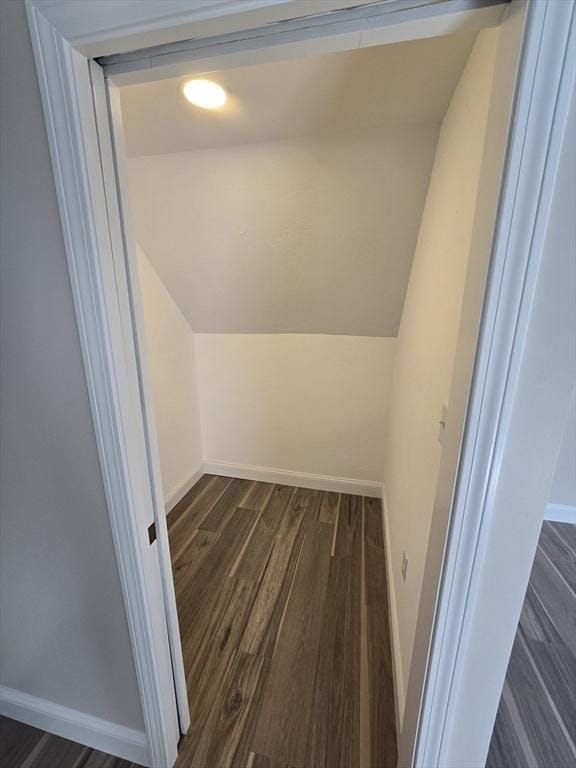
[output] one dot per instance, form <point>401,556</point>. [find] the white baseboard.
<point>301,480</point>
<point>560,513</point>
<point>399,690</point>
<point>77,726</point>
<point>182,488</point>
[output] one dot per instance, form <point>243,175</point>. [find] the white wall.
<point>563,489</point>
<point>172,367</point>
<point>314,235</point>
<point>63,630</point>
<point>302,403</point>
<point>427,338</point>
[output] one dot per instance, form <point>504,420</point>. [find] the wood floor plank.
<point>275,573</point>
<point>566,531</point>
<point>219,739</point>
<point>373,530</point>
<point>197,550</point>
<point>383,743</point>
<point>334,732</point>
<point>255,557</point>
<point>270,637</point>
<point>260,761</point>
<point>556,666</point>
<point>216,649</point>
<point>536,722</point>
<point>289,688</point>
<point>17,740</point>
<point>546,736</point>
<point>182,530</point>
<point>506,749</point>
<point>349,519</point>
<point>188,499</point>
<point>54,751</point>
<point>329,507</point>
<point>226,505</point>
<point>202,587</point>
<point>258,496</point>
<point>556,598</point>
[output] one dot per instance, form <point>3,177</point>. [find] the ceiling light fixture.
<point>204,94</point>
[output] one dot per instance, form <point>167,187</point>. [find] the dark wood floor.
<point>24,747</point>
<point>282,604</point>
<point>536,722</point>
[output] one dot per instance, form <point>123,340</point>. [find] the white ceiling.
<point>297,208</point>
<point>302,97</point>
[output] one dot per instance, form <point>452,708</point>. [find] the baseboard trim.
<point>560,513</point>
<point>301,480</point>
<point>178,493</point>
<point>91,731</point>
<point>399,690</point>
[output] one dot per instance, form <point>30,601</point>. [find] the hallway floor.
<point>282,603</point>
<point>536,721</point>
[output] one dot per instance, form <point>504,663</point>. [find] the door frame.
<point>66,37</point>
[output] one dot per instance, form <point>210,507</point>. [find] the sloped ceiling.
<point>297,207</point>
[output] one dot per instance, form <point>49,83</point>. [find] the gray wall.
<point>563,489</point>
<point>63,630</point>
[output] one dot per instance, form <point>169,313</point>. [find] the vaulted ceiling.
<point>296,208</point>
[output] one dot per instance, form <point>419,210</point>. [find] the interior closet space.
<point>302,255</point>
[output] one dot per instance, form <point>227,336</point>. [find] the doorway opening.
<point>302,253</point>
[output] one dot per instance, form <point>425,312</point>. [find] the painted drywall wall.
<point>313,235</point>
<point>302,403</point>
<point>427,339</point>
<point>172,367</point>
<point>63,629</point>
<point>563,489</point>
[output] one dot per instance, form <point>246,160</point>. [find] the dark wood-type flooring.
<point>282,602</point>
<point>22,746</point>
<point>536,721</point>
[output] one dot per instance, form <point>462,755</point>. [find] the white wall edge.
<point>399,689</point>
<point>560,513</point>
<point>179,491</point>
<point>114,739</point>
<point>285,477</point>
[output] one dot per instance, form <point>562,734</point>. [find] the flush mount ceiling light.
<point>204,94</point>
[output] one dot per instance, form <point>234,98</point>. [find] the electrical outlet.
<point>404,565</point>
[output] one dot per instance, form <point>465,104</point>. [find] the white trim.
<point>560,513</point>
<point>449,731</point>
<point>398,674</point>
<point>297,479</point>
<point>181,489</point>
<point>96,733</point>
<point>377,23</point>
<point>66,87</point>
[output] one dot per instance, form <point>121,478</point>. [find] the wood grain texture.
<point>270,626</point>
<point>334,733</point>
<point>256,554</point>
<point>349,520</point>
<point>329,507</point>
<point>202,498</point>
<point>258,496</point>
<point>226,505</point>
<point>290,686</point>
<point>22,746</point>
<point>383,744</point>
<point>536,721</point>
